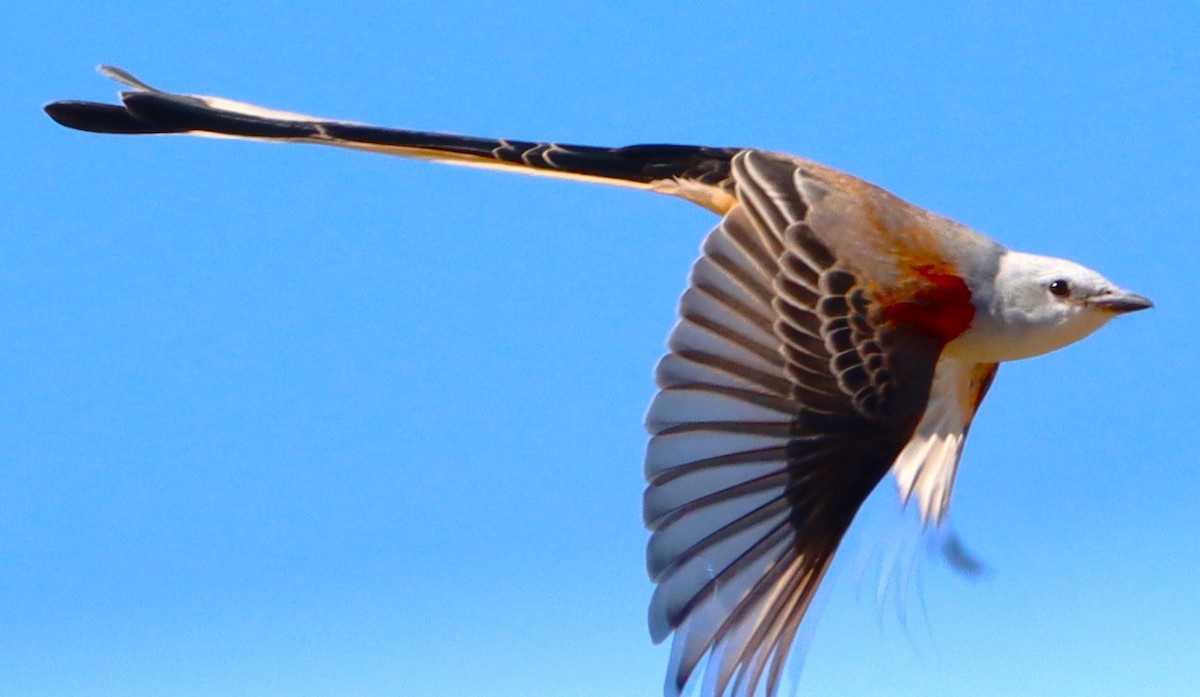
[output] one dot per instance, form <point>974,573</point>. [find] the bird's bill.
<point>1121,301</point>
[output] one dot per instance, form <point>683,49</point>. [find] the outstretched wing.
<point>786,396</point>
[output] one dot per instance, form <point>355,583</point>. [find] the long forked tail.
<point>700,174</point>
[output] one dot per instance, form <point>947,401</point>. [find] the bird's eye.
<point>1060,288</point>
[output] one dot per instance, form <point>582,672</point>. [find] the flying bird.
<point>829,333</point>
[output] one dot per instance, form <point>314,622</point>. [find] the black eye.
<point>1060,288</point>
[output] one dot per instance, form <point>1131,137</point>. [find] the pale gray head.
<point>1037,304</point>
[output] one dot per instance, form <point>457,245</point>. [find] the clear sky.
<point>296,421</point>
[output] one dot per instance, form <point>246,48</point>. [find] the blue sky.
<point>294,421</point>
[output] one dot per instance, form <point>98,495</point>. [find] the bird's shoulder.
<point>921,267</point>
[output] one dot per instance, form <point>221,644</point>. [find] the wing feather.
<point>925,469</point>
<point>785,398</point>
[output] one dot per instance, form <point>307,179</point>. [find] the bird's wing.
<point>789,390</point>
<point>926,466</point>
<point>699,174</point>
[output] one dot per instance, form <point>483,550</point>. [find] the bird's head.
<point>1037,304</point>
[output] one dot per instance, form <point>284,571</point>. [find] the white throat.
<point>1017,316</point>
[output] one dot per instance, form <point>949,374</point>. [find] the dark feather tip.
<point>96,118</point>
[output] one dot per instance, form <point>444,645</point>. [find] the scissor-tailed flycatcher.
<point>829,332</point>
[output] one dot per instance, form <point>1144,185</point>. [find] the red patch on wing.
<point>941,305</point>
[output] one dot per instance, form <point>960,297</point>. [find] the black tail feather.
<point>155,112</point>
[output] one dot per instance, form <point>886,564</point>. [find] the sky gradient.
<point>297,421</point>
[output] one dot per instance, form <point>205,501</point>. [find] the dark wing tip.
<point>97,118</point>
